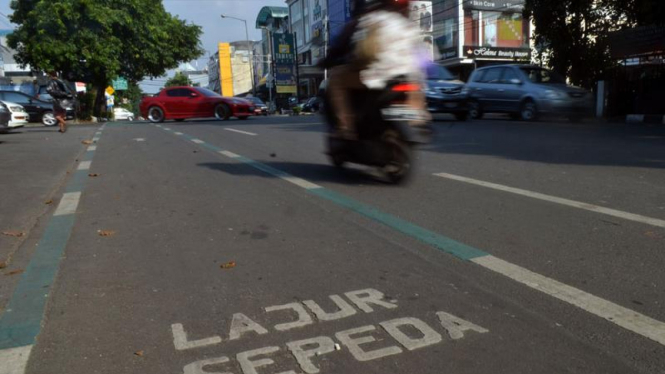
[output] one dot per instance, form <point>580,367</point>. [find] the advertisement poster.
<point>421,14</point>
<point>285,78</point>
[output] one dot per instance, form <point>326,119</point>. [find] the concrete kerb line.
<point>21,321</point>
<point>611,312</point>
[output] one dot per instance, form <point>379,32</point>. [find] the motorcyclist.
<point>379,44</point>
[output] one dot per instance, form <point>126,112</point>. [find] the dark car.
<point>312,105</point>
<point>525,92</point>
<point>38,110</point>
<point>180,103</point>
<point>260,106</point>
<point>444,93</point>
<point>5,116</point>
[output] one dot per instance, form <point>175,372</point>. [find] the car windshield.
<point>544,76</point>
<point>255,100</point>
<point>438,72</point>
<point>207,92</point>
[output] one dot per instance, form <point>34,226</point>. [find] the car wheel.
<point>462,116</point>
<point>155,114</point>
<point>222,112</point>
<point>48,118</point>
<point>475,111</point>
<point>528,111</point>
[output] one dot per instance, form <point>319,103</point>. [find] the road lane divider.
<point>21,321</point>
<point>241,132</point>
<point>611,312</point>
<point>558,200</point>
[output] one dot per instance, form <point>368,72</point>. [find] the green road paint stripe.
<point>440,242</point>
<point>21,320</point>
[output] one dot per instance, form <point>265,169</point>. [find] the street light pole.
<point>250,50</point>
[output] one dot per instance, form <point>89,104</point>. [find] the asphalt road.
<point>234,247</point>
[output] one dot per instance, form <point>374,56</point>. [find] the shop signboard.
<point>496,5</point>
<point>285,79</point>
<point>498,53</point>
<point>448,53</point>
<point>421,14</point>
<point>284,50</point>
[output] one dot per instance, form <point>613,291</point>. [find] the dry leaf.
<point>138,353</point>
<point>93,175</point>
<point>3,265</point>
<point>86,142</point>
<point>49,202</point>
<point>228,265</point>
<point>14,272</point>
<point>14,233</point>
<point>106,232</point>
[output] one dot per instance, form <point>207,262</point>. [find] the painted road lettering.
<point>363,343</point>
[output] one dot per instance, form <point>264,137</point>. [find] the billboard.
<point>285,78</point>
<point>420,13</point>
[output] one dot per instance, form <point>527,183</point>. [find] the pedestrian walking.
<point>58,91</point>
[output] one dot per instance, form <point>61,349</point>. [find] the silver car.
<point>525,92</point>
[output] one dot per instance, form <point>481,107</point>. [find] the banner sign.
<point>498,53</point>
<point>498,5</point>
<point>420,13</point>
<point>284,50</point>
<point>285,79</point>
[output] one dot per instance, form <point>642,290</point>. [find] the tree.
<point>96,41</point>
<point>179,79</point>
<point>571,36</point>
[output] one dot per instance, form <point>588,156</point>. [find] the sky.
<point>205,13</point>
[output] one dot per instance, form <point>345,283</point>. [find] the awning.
<point>270,12</point>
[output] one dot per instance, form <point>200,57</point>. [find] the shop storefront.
<point>473,33</point>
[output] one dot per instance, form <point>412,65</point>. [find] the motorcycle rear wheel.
<point>399,166</point>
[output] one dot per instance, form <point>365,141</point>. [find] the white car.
<point>122,114</point>
<point>19,117</point>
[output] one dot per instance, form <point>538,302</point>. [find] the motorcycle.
<point>385,137</point>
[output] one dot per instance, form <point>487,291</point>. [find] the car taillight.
<point>406,87</point>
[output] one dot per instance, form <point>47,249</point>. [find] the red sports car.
<point>179,103</point>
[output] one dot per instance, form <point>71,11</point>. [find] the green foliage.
<point>179,79</point>
<point>571,36</point>
<point>132,95</point>
<point>95,41</point>
<point>86,103</point>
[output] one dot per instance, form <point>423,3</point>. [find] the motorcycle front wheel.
<point>399,163</point>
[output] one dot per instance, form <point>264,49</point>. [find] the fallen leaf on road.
<point>14,233</point>
<point>49,202</point>
<point>3,265</point>
<point>14,272</point>
<point>228,265</point>
<point>86,142</point>
<point>106,232</point>
<point>93,175</point>
<point>138,353</point>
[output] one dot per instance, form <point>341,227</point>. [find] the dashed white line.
<point>68,204</point>
<point>14,360</point>
<point>553,199</point>
<point>92,148</point>
<point>198,141</point>
<point>241,132</point>
<point>229,154</point>
<point>624,317</point>
<point>301,182</point>
<point>84,165</point>
<point>178,133</point>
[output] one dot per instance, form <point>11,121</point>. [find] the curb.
<point>645,118</point>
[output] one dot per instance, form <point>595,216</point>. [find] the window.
<point>206,92</point>
<point>538,75</point>
<point>15,97</point>
<point>438,72</point>
<point>508,75</point>
<point>178,92</point>
<point>478,75</point>
<point>492,75</point>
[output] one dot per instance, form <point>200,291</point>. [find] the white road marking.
<point>95,139</point>
<point>198,141</point>
<point>304,318</point>
<point>178,133</point>
<point>68,204</point>
<point>14,360</point>
<point>84,165</point>
<point>229,154</point>
<point>241,132</point>
<point>301,182</point>
<point>167,128</point>
<point>181,342</point>
<point>572,203</point>
<point>624,317</point>
<point>92,148</point>
<point>138,139</point>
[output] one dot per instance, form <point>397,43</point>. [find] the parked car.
<point>5,116</point>
<point>180,103</point>
<point>38,110</point>
<point>312,105</point>
<point>260,108</point>
<point>445,94</point>
<point>122,114</point>
<point>525,92</point>
<point>18,115</point>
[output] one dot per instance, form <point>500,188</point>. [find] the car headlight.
<point>553,94</point>
<point>16,108</point>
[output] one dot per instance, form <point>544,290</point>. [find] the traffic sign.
<point>120,84</point>
<point>110,90</point>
